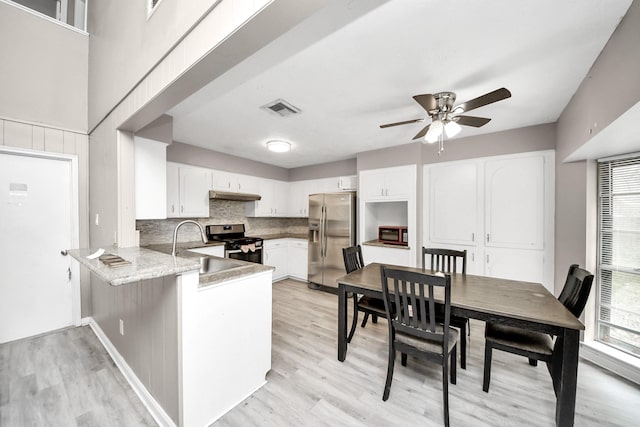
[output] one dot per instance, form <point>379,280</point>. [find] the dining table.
<point>516,303</point>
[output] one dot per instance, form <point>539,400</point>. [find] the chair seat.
<point>425,345</point>
<point>509,336</point>
<point>373,305</point>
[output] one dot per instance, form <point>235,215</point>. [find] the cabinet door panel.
<point>173,191</point>
<point>372,185</point>
<point>397,182</point>
<point>194,192</point>
<point>516,264</point>
<point>383,255</point>
<point>515,203</point>
<point>453,203</point>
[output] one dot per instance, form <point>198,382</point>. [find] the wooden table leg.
<point>342,322</point>
<point>568,381</point>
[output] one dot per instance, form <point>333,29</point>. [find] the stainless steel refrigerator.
<point>332,226</point>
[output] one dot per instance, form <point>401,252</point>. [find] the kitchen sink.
<point>215,265</point>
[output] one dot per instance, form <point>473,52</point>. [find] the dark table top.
<point>526,301</point>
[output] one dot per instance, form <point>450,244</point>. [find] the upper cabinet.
<point>514,194</point>
<point>187,191</point>
<point>233,182</point>
<point>150,178</point>
<point>387,183</point>
<point>500,209</point>
<point>274,200</point>
<point>388,197</point>
<point>453,198</point>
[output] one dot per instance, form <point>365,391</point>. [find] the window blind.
<point>618,302</point>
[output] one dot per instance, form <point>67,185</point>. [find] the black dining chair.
<point>368,305</point>
<point>446,261</point>
<point>413,328</point>
<point>536,345</point>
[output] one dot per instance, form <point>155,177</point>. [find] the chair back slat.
<point>444,260</point>
<point>414,296</point>
<point>577,287</point>
<point>352,257</point>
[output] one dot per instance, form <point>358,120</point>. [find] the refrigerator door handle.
<point>322,248</point>
<point>324,222</point>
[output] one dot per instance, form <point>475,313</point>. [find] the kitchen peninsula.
<point>192,345</point>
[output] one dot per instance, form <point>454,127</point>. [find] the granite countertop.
<point>145,264</point>
<point>385,245</point>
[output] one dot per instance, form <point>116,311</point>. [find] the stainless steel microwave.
<point>393,234</point>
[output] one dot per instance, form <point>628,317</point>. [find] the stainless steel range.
<point>237,245</point>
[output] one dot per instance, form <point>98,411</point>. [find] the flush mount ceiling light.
<point>278,146</point>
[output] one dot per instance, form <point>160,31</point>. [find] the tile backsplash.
<point>154,231</point>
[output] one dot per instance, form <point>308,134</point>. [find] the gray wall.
<point>324,170</point>
<point>125,45</point>
<point>611,87</point>
<point>522,140</point>
<point>43,71</point>
<point>149,312</point>
<point>192,155</point>
<point>400,155</point>
<point>160,129</point>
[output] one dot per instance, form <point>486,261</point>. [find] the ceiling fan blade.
<point>427,101</point>
<point>401,123</point>
<point>423,132</point>
<point>471,121</point>
<point>481,101</point>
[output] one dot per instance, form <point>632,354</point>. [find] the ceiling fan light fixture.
<point>452,129</point>
<point>278,146</point>
<point>434,132</point>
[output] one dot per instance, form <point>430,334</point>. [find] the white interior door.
<point>36,223</point>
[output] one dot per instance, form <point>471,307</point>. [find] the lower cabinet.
<point>387,255</point>
<point>288,256</point>
<point>275,255</point>
<point>298,258</point>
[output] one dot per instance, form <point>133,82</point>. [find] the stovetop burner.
<point>232,235</point>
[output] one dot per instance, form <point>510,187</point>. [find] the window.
<point>618,304</point>
<point>70,12</point>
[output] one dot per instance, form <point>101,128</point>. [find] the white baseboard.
<point>154,408</point>
<point>622,364</point>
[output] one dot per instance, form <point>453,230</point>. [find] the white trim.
<point>620,157</point>
<point>76,309</point>
<point>616,361</point>
<point>152,405</point>
<point>46,17</point>
<point>42,125</point>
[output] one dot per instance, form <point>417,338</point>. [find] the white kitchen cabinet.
<point>387,255</point>
<point>388,183</point>
<point>275,255</point>
<point>274,200</point>
<point>150,178</point>
<point>187,191</point>
<point>173,190</point>
<point>514,194</point>
<point>453,203</point>
<point>299,199</point>
<point>298,258</point>
<point>233,182</point>
<point>280,198</point>
<point>498,208</point>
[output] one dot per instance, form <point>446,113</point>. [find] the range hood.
<point>225,195</point>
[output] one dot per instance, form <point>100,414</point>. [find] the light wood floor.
<point>68,379</point>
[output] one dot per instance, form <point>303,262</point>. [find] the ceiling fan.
<point>445,118</point>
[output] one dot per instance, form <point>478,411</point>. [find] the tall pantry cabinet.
<point>500,209</point>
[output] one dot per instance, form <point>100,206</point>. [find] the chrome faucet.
<point>175,233</point>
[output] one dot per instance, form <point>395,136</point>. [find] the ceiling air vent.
<point>281,108</point>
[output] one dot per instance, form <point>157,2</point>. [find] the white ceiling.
<point>364,74</point>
